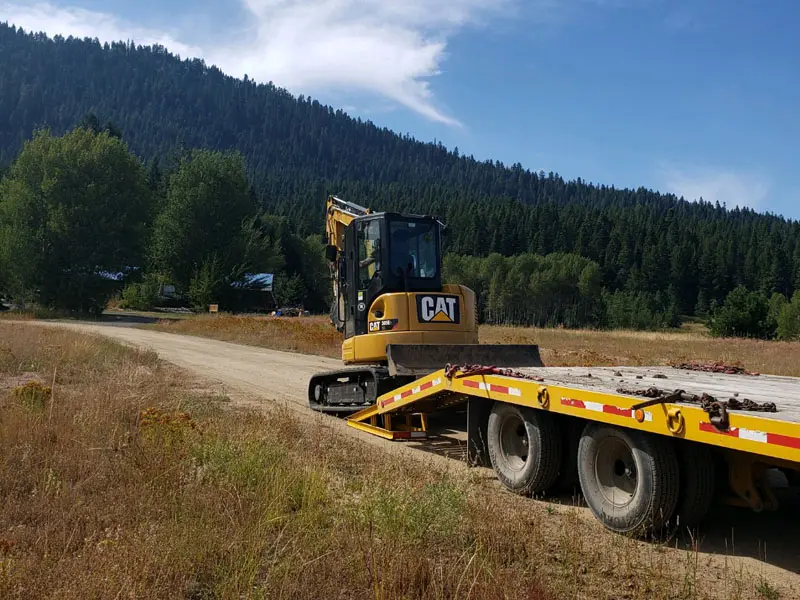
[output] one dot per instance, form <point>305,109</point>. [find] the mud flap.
<point>478,410</point>
<point>421,359</point>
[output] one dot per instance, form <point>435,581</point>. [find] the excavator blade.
<point>421,359</point>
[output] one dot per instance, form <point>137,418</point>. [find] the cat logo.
<point>438,309</point>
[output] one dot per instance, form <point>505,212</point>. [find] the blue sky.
<point>700,98</point>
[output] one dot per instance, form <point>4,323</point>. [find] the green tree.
<point>743,314</point>
<point>289,290</point>
<point>200,237</point>
<point>776,303</point>
<point>73,210</point>
<point>789,319</point>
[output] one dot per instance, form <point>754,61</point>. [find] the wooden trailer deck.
<point>783,391</point>
<point>605,394</point>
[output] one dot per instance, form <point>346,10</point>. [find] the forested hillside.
<point>649,249</point>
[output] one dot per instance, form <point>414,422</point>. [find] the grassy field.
<point>308,335</point>
<point>559,347</point>
<point>120,477</point>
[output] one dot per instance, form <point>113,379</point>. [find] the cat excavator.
<point>398,319</point>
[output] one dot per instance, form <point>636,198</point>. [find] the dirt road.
<point>261,378</point>
<point>764,543</point>
<point>267,373</point>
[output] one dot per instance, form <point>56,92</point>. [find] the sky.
<point>696,97</point>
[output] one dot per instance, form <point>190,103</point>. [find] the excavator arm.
<point>338,215</point>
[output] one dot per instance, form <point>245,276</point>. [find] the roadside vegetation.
<point>307,335</point>
<point>121,477</point>
<point>559,347</point>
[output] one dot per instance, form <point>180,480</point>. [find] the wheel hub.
<point>514,442</point>
<point>615,470</point>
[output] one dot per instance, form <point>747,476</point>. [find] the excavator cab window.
<point>369,251</point>
<point>414,249</point>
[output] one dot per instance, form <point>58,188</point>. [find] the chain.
<point>713,367</point>
<point>716,409</point>
<point>470,370</point>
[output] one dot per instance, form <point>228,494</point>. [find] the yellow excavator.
<point>399,320</point>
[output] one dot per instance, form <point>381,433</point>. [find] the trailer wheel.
<point>525,448</point>
<point>698,484</point>
<point>630,479</point>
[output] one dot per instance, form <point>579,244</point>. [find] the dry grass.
<point>118,483</point>
<point>118,479</point>
<point>569,347</point>
<point>306,335</point>
<point>560,347</point>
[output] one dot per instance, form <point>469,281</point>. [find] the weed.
<point>766,591</point>
<point>560,347</point>
<point>33,395</point>
<point>308,335</point>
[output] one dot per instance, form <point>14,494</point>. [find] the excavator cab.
<point>385,253</point>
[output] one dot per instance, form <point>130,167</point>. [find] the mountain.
<point>298,151</point>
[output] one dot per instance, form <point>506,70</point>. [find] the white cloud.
<point>388,48</point>
<point>729,186</point>
<point>82,23</point>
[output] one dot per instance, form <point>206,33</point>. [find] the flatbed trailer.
<point>651,448</point>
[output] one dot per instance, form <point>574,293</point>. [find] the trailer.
<point>651,448</point>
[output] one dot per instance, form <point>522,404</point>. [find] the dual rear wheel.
<point>632,481</point>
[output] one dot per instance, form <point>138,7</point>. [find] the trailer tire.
<point>525,448</point>
<point>698,484</point>
<point>630,479</point>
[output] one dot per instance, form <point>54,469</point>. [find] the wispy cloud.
<point>729,186</point>
<point>81,23</point>
<point>390,49</point>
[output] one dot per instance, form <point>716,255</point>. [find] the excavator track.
<point>348,391</point>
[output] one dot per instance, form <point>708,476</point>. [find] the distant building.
<point>253,293</point>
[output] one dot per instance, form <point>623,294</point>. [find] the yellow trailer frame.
<point>752,433</point>
<point>749,441</point>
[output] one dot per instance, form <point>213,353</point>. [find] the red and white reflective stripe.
<point>415,390</point>
<point>492,387</point>
<point>608,409</point>
<point>754,435</point>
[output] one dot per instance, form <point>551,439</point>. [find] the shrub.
<point>743,314</point>
<point>142,295</point>
<point>788,320</point>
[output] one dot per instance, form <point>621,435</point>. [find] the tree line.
<point>657,255</point>
<point>82,219</point>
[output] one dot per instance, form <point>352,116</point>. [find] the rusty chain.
<point>717,409</point>
<point>450,371</point>
<point>713,367</point>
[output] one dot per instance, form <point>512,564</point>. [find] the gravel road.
<point>267,373</point>
<point>261,378</point>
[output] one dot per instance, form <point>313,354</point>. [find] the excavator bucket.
<point>421,359</point>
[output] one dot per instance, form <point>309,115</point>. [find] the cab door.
<point>347,282</point>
